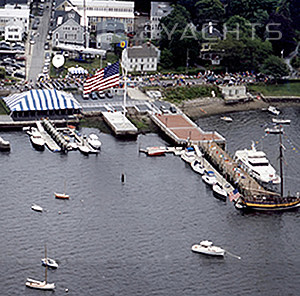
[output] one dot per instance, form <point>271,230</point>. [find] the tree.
<point>166,59</point>
<point>207,10</point>
<point>274,66</point>
<point>178,35</point>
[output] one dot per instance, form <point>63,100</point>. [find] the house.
<point>97,11</point>
<point>143,58</point>
<point>68,30</point>
<point>158,10</point>
<point>8,14</point>
<point>108,32</point>
<point>14,31</point>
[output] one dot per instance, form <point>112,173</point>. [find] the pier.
<point>183,131</point>
<point>119,124</point>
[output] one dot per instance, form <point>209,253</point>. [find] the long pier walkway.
<point>184,131</point>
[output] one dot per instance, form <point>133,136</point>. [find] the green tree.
<point>207,10</point>
<point>274,66</point>
<point>178,35</point>
<point>166,59</point>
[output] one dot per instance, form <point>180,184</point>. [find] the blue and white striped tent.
<point>41,100</point>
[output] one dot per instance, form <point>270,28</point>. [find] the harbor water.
<point>135,237</point>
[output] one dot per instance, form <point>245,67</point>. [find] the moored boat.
<point>207,248</point>
<point>4,145</point>
<point>36,208</point>
<point>189,154</point>
<point>49,262</point>
<point>62,195</point>
<point>209,178</point>
<point>281,121</point>
<point>198,166</point>
<point>34,284</point>
<point>257,165</point>
<point>36,139</point>
<point>226,118</point>
<point>219,191</point>
<point>94,141</point>
<point>268,201</point>
<point>273,110</point>
<point>274,130</point>
<point>156,151</point>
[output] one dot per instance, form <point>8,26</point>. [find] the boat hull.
<point>261,206</point>
<point>40,285</point>
<point>201,250</point>
<point>38,145</point>
<point>219,193</point>
<point>61,196</point>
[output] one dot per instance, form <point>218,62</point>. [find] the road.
<point>36,51</point>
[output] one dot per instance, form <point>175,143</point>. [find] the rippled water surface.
<point>135,238</point>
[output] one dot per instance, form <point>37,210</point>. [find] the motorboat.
<point>226,118</point>
<point>209,178</point>
<point>273,110</point>
<point>219,191</point>
<point>206,247</point>
<point>30,283</point>
<point>94,141</point>
<point>4,145</point>
<point>198,166</point>
<point>36,208</point>
<point>189,154</point>
<point>156,151</point>
<point>281,121</point>
<point>49,262</point>
<point>274,130</point>
<point>257,165</point>
<point>36,139</point>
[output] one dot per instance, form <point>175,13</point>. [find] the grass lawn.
<point>286,89</point>
<point>92,65</point>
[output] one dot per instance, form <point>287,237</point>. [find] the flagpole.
<point>124,73</point>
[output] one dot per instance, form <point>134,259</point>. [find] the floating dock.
<point>119,124</point>
<point>50,143</point>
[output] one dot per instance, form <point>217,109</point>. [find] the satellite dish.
<point>58,60</point>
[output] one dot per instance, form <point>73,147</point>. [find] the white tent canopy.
<point>77,71</point>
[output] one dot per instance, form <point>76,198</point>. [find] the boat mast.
<point>280,163</point>
<point>46,265</point>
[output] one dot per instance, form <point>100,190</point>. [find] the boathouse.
<point>42,102</point>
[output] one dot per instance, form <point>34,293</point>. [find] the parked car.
<point>101,95</point>
<point>19,74</point>
<point>109,95</point>
<point>94,96</point>
<point>46,45</point>
<point>173,109</point>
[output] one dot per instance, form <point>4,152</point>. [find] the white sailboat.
<point>41,285</point>
<point>62,195</point>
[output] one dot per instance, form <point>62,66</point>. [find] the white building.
<point>99,11</point>
<point>6,15</point>
<point>158,10</point>
<point>14,31</point>
<point>143,58</point>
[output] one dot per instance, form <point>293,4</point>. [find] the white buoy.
<point>66,290</point>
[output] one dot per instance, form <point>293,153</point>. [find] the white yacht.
<point>257,164</point>
<point>206,247</point>
<point>189,154</point>
<point>94,141</point>
<point>36,139</point>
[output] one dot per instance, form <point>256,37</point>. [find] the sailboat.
<point>48,262</point>
<point>267,200</point>
<point>41,285</point>
<point>62,195</point>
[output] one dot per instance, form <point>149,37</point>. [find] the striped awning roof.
<point>41,100</point>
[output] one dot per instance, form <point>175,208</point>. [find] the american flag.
<point>234,195</point>
<point>105,78</point>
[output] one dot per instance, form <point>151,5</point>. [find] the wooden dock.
<point>50,143</point>
<point>230,170</point>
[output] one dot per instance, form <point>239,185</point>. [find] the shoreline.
<point>204,107</point>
